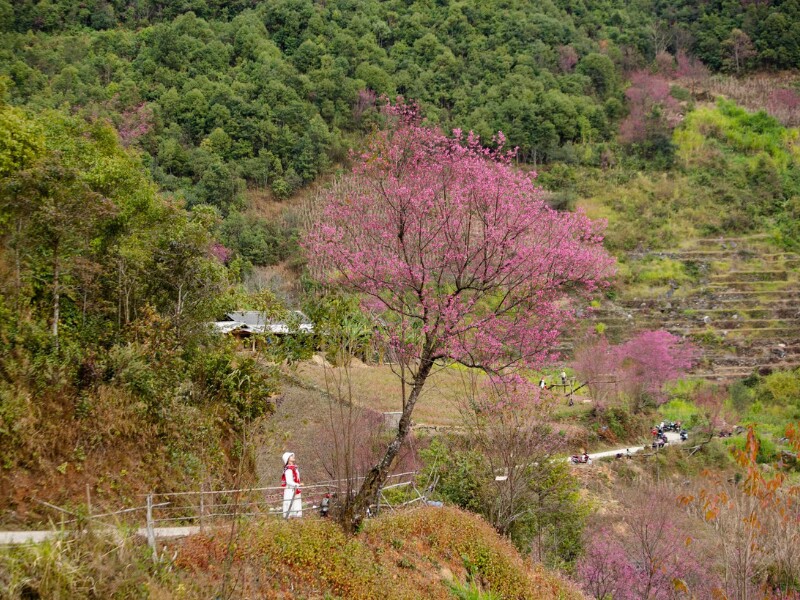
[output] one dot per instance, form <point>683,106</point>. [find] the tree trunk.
<point>18,266</point>
<point>119,294</point>
<point>56,293</point>
<point>370,489</point>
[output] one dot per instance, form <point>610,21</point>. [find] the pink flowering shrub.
<point>220,252</point>
<point>650,107</point>
<point>649,555</point>
<point>135,123</point>
<point>638,368</point>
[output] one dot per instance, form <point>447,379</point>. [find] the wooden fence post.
<point>151,534</point>
<point>88,508</point>
<point>202,508</point>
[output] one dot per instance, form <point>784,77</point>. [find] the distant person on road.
<point>542,383</point>
<point>292,503</point>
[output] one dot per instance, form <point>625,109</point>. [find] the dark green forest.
<point>226,96</point>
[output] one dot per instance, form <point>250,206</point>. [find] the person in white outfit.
<point>292,504</point>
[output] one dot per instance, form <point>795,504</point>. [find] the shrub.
<point>680,410</point>
<point>783,387</point>
<point>741,396</point>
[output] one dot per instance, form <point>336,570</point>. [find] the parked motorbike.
<point>581,459</point>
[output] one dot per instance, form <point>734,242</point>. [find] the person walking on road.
<point>290,480</point>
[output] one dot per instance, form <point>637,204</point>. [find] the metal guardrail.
<point>203,507</point>
<point>169,514</point>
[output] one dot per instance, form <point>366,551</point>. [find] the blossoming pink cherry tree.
<point>458,254</point>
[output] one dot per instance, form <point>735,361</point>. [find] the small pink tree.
<point>691,70</point>
<point>595,363</point>
<point>458,254</point>
<point>648,361</point>
<point>567,58</point>
<point>605,571</point>
<point>650,107</point>
<point>639,368</point>
<point>710,402</point>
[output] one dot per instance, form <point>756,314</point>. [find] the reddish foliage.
<point>755,522</point>
<point>567,58</point>
<point>135,123</point>
<point>650,107</point>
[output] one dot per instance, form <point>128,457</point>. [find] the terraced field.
<point>737,298</point>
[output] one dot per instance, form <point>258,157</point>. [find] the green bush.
<point>554,525</point>
<point>741,396</point>
<point>236,381</point>
<point>782,387</point>
<point>461,475</point>
<point>680,410</point>
<point>680,93</point>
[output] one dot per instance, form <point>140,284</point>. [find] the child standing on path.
<point>292,504</point>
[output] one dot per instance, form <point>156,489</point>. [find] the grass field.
<point>378,388</point>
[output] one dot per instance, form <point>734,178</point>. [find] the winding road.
<point>672,437</point>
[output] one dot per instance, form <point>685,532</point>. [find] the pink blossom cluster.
<point>652,358</point>
<point>454,248</point>
<point>655,567</point>
<point>642,365</point>
<point>220,252</point>
<point>135,123</point>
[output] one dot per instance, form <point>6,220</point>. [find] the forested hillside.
<point>271,95</point>
<point>108,375</point>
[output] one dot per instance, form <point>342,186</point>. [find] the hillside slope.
<point>409,554</point>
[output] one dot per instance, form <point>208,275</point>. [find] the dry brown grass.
<point>760,91</point>
<point>378,388</point>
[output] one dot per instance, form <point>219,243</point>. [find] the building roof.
<point>254,321</point>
